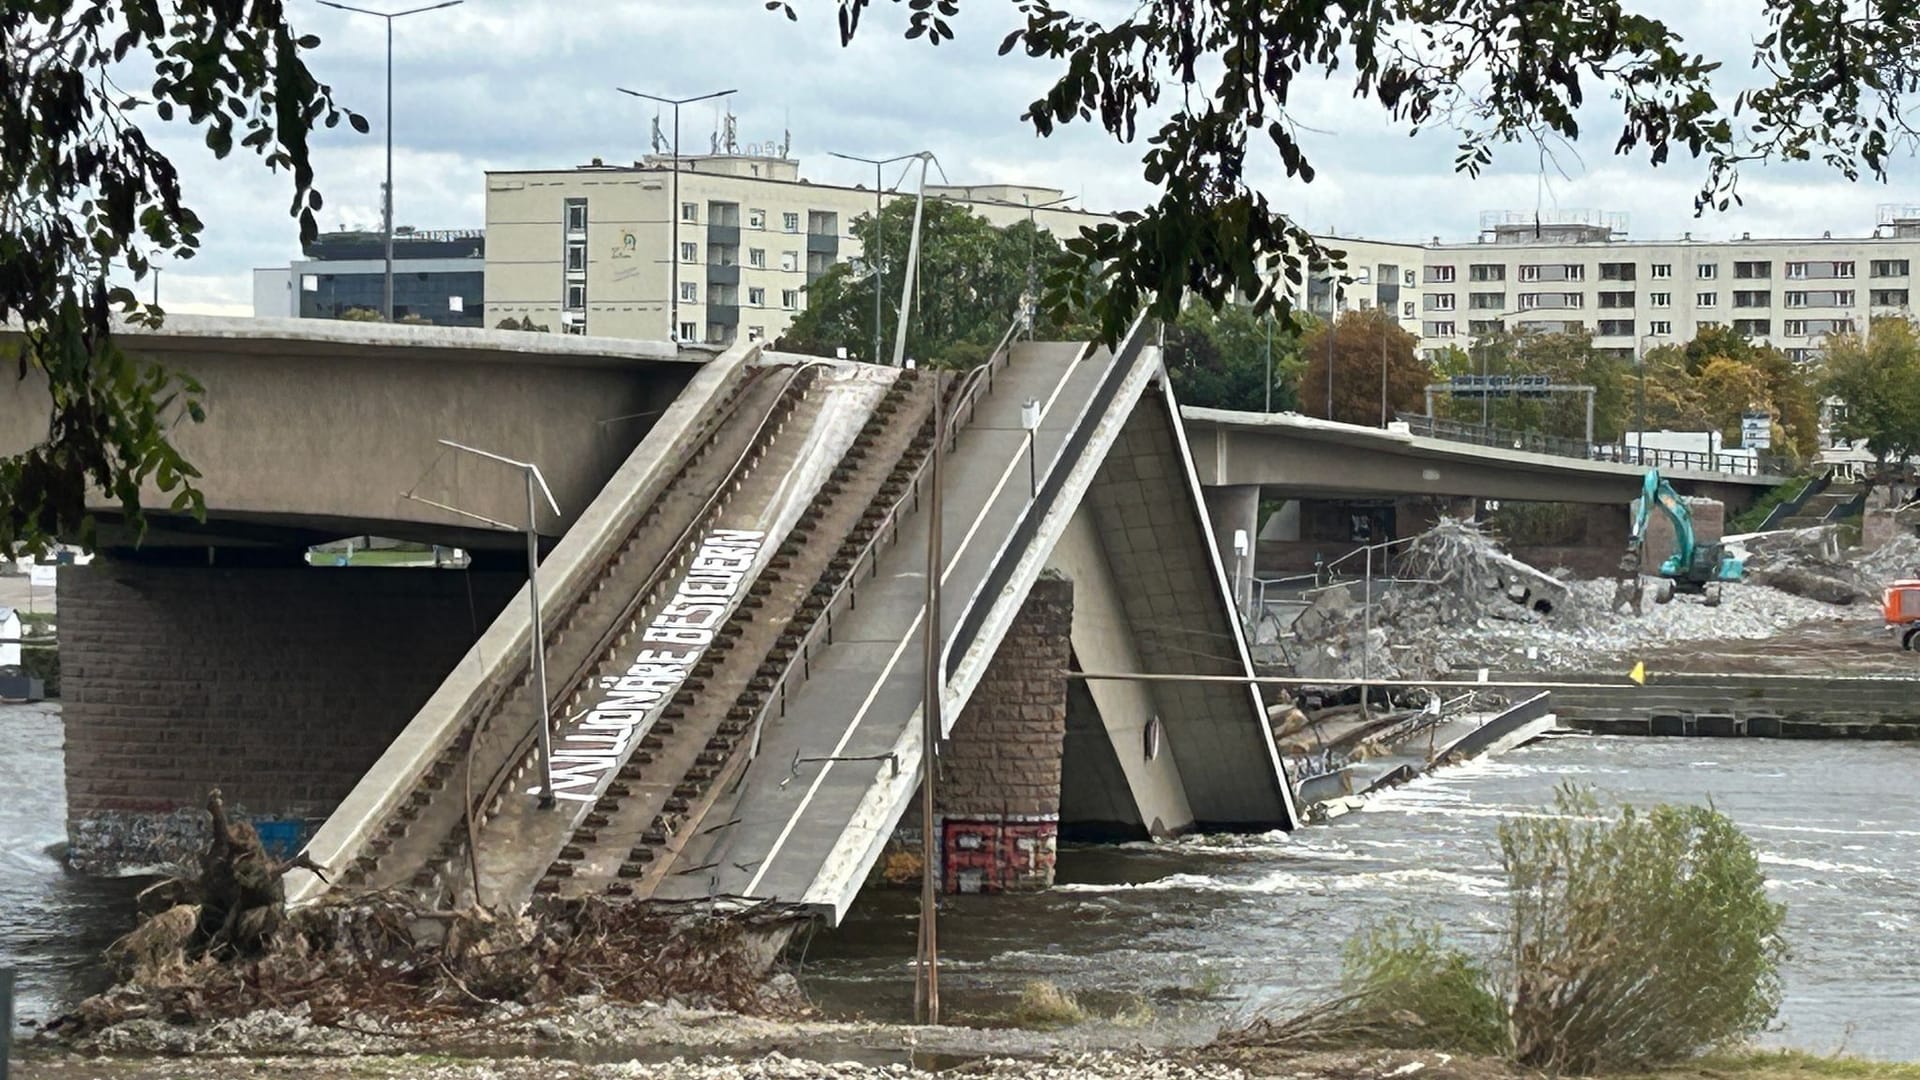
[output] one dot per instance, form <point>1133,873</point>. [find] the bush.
<point>1633,941</point>
<point>1637,941</point>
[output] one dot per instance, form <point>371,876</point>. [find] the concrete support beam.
<point>1230,510</point>
<point>1151,796</point>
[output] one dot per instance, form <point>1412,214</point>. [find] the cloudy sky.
<point>497,84</point>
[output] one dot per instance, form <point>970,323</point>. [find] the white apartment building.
<point>1577,269</point>
<point>610,251</point>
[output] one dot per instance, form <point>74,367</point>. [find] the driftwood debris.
<point>231,908</point>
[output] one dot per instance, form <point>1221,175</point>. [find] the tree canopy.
<point>1220,360</point>
<point>1371,357</point>
<point>1878,381</point>
<point>1710,381</point>
<point>971,279</point>
<point>83,193</point>
<point>1832,82</point>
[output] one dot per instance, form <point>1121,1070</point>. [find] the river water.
<point>1202,925</point>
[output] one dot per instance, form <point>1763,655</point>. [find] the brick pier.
<point>998,797</point>
<point>279,684</point>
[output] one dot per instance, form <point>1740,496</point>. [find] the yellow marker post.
<point>1639,672</point>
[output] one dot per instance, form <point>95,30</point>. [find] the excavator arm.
<point>1693,568</point>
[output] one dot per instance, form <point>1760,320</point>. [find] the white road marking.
<point>766,862</point>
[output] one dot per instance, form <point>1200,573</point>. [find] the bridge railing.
<point>973,618</point>
<point>846,596</point>
<point>1625,453</point>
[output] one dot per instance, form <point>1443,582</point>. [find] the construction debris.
<point>1456,601</point>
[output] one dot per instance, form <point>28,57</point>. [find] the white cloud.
<point>515,83</point>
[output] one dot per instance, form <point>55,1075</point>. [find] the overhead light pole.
<point>1033,293</point>
<point>673,214</point>
<point>880,233</point>
<point>926,158</point>
<point>386,211</point>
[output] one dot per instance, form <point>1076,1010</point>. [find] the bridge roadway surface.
<point>811,838</point>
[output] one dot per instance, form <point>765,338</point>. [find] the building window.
<point>1529,301</point>
<point>1406,307</point>
<point>756,333</point>
<point>1705,299</point>
<point>1409,280</point>
<point>1803,356</point>
<point>1753,327</point>
<point>1843,269</point>
<point>757,257</point>
<point>1660,270</point>
<point>1477,327</point>
<point>1752,298</point>
<point>790,222</point>
<point>1439,301</point>
<point>1843,298</point>
<point>789,298</point>
<point>689,211</point>
<point>1617,271</point>
<point>1487,301</point>
<point>577,256</point>
<point>790,261</point>
<point>686,331</point>
<point>576,297</point>
<point>1659,299</point>
<point>689,251</point>
<point>1796,299</point>
<point>1529,273</point>
<point>1439,275</point>
<point>1752,271</point>
<point>1707,271</point>
<point>1796,328</point>
<point>756,219</point>
<point>1616,299</point>
<point>1889,268</point>
<point>756,296</point>
<point>689,291</point>
<point>576,215</point>
<point>1486,272</point>
<point>1889,297</point>
<point>1440,329</point>
<point>576,328</point>
<point>1615,328</point>
<point>1796,270</point>
<point>1660,328</point>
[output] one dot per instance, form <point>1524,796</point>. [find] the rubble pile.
<point>1451,580</point>
<point>1459,602</point>
<point>1815,563</point>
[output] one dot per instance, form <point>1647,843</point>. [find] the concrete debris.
<point>1457,602</point>
<point>1451,579</point>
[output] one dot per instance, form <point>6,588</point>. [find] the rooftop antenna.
<point>786,132</point>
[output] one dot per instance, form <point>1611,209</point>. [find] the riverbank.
<point>809,1062</point>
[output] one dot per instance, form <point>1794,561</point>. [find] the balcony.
<point>723,315</point>
<point>723,273</point>
<point>723,236</point>
<point>823,244</point>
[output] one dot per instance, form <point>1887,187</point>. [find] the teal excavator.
<point>1694,568</point>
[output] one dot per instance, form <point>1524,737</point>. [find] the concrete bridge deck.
<point>1300,456</point>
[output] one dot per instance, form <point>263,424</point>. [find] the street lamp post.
<point>879,235</point>
<point>673,211</point>
<point>386,213</point>
<point>1640,423</point>
<point>913,258</point>
<point>1032,229</point>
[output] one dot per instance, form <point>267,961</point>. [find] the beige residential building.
<point>1577,269</point>
<point>610,251</point>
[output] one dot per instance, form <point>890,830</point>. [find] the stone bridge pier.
<point>247,670</point>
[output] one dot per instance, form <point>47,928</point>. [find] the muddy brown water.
<point>1188,931</point>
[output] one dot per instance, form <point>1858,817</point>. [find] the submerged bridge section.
<point>733,638</point>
